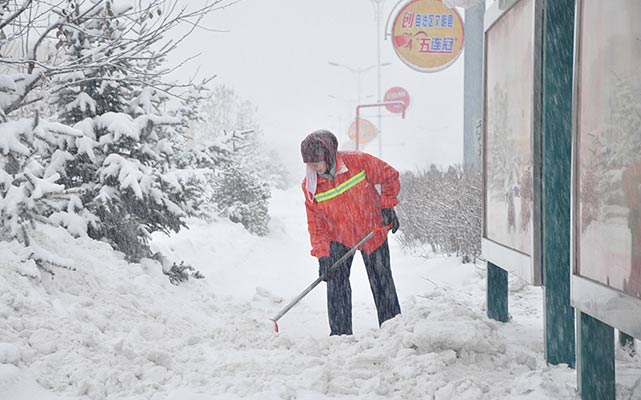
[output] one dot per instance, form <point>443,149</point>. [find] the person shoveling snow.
<point>343,206</point>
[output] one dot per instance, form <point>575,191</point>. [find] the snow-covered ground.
<point>114,330</point>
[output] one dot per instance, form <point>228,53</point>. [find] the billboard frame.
<point>525,266</point>
<point>607,304</point>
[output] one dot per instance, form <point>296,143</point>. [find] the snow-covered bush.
<point>442,209</point>
<point>179,273</point>
<point>243,198</point>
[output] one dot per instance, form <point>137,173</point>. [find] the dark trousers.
<point>339,290</point>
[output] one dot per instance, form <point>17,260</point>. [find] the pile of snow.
<point>103,328</point>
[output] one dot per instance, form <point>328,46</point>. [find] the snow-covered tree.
<point>107,80</point>
<point>229,142</point>
<point>29,183</point>
<point>133,188</point>
<point>226,115</point>
<point>243,197</point>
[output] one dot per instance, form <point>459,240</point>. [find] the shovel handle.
<point>319,280</point>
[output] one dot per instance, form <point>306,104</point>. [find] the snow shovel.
<point>319,280</point>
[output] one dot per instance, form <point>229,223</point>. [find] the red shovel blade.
<point>275,325</point>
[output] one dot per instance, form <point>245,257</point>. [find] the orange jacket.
<point>346,209</point>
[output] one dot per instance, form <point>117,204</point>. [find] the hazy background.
<point>276,53</point>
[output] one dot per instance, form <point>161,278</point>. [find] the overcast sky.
<point>275,53</point>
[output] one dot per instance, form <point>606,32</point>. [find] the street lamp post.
<point>357,73</point>
<point>378,12</point>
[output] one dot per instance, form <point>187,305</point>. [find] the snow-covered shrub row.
<point>94,136</point>
<point>442,209</point>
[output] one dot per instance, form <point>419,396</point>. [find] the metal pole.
<point>497,293</point>
<point>358,86</point>
<point>358,109</point>
<point>473,85</point>
<point>596,372</point>
<point>557,56</point>
<point>378,4</point>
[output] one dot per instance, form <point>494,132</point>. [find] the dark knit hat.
<point>320,145</point>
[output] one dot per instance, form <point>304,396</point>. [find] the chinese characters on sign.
<point>427,35</point>
<point>428,20</point>
<point>434,44</point>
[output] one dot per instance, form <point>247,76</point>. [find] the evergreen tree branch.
<point>16,14</point>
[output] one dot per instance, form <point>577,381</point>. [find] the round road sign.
<point>399,94</point>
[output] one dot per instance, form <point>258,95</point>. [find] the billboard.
<point>607,163</point>
<point>427,35</point>
<point>511,150</point>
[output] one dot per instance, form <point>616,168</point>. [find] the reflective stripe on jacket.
<point>346,209</point>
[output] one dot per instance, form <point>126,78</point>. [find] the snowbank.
<point>114,330</point>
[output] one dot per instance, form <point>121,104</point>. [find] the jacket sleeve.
<point>381,173</point>
<point>317,226</point>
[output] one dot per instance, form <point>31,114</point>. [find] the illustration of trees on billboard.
<point>609,141</point>
<point>509,108</point>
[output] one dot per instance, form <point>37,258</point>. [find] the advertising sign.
<point>366,131</point>
<point>427,35</point>
<point>397,93</point>
<point>606,209</point>
<point>609,146</point>
<point>512,132</point>
<point>509,96</point>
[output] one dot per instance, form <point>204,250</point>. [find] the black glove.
<point>323,267</point>
<point>389,217</point>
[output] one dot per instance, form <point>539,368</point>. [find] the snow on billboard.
<point>509,111</point>
<point>608,145</point>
